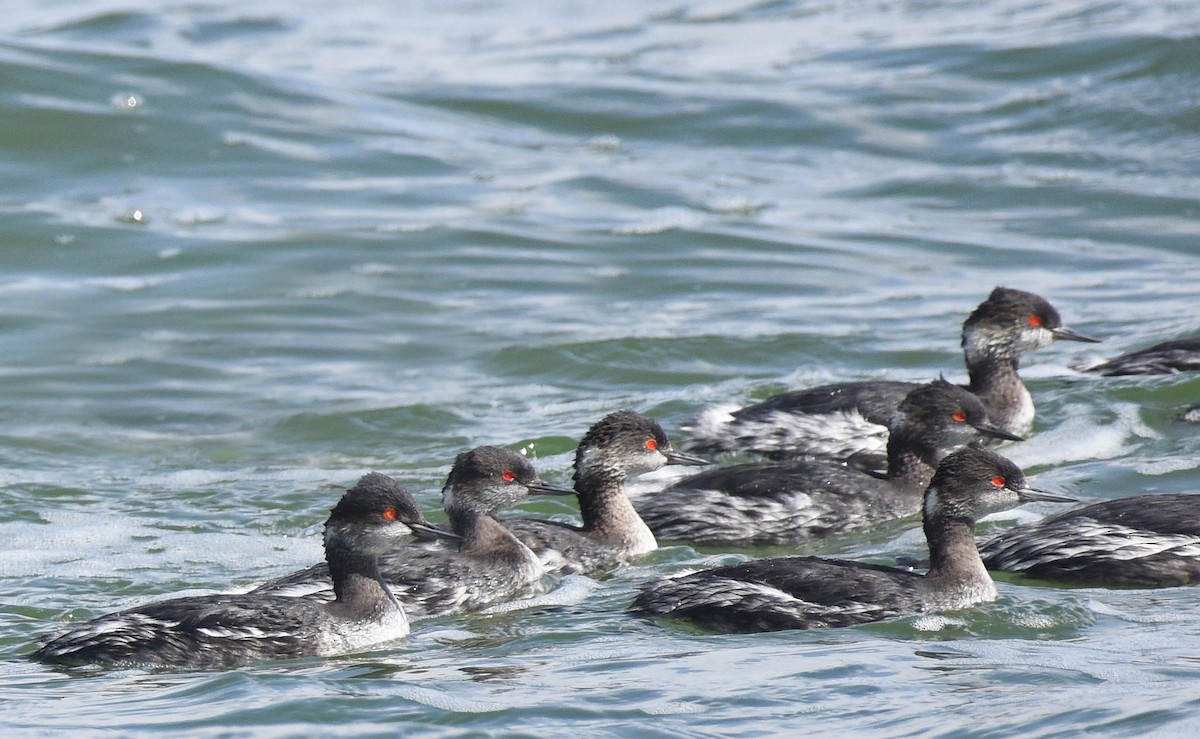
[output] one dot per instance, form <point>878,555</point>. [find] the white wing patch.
<point>122,626</point>
<point>715,515</point>
<point>320,589</point>
<point>839,434</point>
<point>1086,538</point>
<point>241,632</point>
<point>763,599</point>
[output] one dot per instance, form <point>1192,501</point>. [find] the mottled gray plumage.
<point>1139,541</point>
<point>488,566</point>
<point>1167,358</point>
<point>786,502</point>
<point>809,592</point>
<point>222,630</point>
<point>848,420</point>
<point>621,445</point>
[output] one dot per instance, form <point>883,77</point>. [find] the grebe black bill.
<point>211,631</point>
<point>779,593</point>
<point>621,445</point>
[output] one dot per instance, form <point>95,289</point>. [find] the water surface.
<point>252,252</point>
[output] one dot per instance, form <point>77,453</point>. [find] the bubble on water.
<point>126,101</point>
<point>136,217</point>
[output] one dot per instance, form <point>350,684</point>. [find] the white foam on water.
<point>444,635</point>
<point>80,545</point>
<point>1167,466</point>
<point>1084,436</point>
<point>936,622</point>
<point>447,702</point>
<point>662,220</point>
<point>128,284</point>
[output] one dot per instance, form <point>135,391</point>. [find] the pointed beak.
<point>539,487</point>
<point>427,531</point>
<point>674,457</point>
<point>996,432</point>
<point>1069,334</point>
<point>1029,495</point>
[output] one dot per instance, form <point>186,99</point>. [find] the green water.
<point>252,252</point>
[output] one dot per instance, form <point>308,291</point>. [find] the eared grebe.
<point>848,420</point>
<point>220,630</point>
<point>619,446</point>
<point>808,592</point>
<point>1167,358</point>
<point>1140,541</point>
<point>786,502</point>
<point>489,565</point>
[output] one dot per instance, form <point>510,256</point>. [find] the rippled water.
<point>253,251</point>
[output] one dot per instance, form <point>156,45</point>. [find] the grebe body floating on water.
<point>1139,541</point>
<point>212,631</point>
<point>621,445</point>
<point>490,564</point>
<point>1167,358</point>
<point>786,502</point>
<point>810,592</point>
<point>848,420</point>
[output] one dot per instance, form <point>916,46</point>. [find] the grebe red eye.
<point>509,475</point>
<point>998,481</point>
<point>390,514</point>
<point>959,416</point>
<point>1035,320</point>
<point>651,444</point>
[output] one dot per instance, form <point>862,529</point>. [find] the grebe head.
<point>374,515</point>
<point>627,443</point>
<point>1011,323</point>
<point>975,482</point>
<point>488,479</point>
